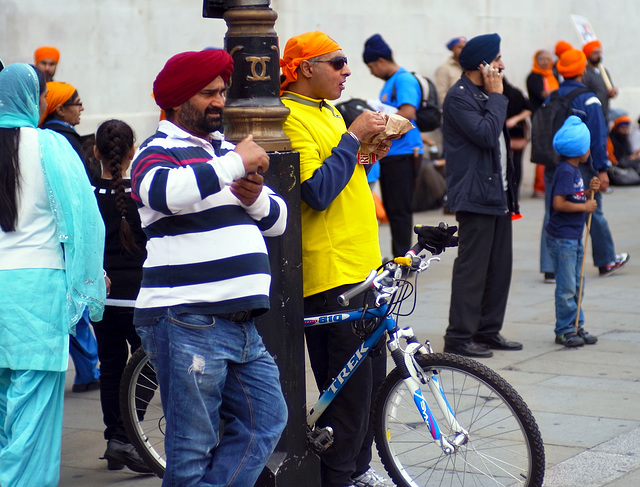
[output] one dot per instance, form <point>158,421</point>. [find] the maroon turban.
<point>185,74</point>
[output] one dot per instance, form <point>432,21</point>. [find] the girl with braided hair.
<point>124,254</point>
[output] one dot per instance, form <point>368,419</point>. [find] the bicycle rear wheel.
<point>141,411</point>
<point>504,446</point>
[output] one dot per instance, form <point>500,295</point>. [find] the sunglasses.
<point>337,62</point>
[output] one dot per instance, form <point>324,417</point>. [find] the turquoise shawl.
<point>79,224</point>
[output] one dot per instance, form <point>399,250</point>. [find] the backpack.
<point>350,109</point>
<point>429,113</point>
<point>546,122</point>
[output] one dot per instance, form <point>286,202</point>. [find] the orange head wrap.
<point>591,46</point>
<point>561,47</point>
<point>572,63</point>
<point>46,52</point>
<point>299,48</point>
<point>549,80</point>
<point>59,93</point>
<point>621,120</point>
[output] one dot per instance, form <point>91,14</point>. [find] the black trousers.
<point>116,336</point>
<point>349,414</point>
<point>481,277</point>
<point>397,176</point>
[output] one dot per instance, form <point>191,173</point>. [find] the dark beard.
<point>198,122</point>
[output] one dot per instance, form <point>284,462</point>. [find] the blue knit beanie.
<point>573,139</point>
<point>481,48</point>
<point>375,48</point>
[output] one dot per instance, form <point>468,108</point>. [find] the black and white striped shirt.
<point>205,250</point>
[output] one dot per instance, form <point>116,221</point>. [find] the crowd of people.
<point>121,240</point>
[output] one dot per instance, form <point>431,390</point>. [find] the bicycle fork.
<point>413,377</point>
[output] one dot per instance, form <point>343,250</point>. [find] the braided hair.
<point>114,140</point>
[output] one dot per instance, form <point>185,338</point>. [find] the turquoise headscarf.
<point>22,110</point>
<point>78,221</point>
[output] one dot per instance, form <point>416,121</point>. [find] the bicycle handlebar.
<point>344,298</point>
<point>433,239</point>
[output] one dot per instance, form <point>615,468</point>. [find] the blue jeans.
<point>601,239</point>
<point>567,260</point>
<point>212,370</point>
<point>546,262</point>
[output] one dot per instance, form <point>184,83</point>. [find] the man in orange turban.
<point>304,47</point>
<point>596,77</point>
<point>571,65</point>
<point>46,60</point>
<point>339,241</point>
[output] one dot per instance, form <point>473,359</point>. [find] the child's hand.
<point>595,184</point>
<point>591,206</point>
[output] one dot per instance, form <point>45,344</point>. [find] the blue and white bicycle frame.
<point>412,373</point>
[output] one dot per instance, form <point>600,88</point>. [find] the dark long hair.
<point>10,170</point>
<point>114,140</point>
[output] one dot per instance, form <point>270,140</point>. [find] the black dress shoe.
<point>120,453</point>
<point>91,386</point>
<point>469,349</point>
<point>497,342</point>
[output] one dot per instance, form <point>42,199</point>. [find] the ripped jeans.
<point>211,370</point>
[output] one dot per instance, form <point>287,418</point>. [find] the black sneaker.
<point>570,340</point>
<point>549,278</point>
<point>588,338</point>
<point>616,265</point>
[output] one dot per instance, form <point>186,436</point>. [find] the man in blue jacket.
<point>587,106</point>
<point>481,190</point>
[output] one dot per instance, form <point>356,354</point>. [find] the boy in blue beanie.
<point>565,228</point>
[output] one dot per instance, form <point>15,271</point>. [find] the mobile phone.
<point>486,67</point>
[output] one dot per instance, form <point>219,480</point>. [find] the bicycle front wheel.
<point>141,410</point>
<point>504,446</point>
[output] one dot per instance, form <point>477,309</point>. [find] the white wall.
<point>113,49</point>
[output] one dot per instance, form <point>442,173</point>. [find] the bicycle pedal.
<point>319,439</point>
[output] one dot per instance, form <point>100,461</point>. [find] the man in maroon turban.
<point>205,209</point>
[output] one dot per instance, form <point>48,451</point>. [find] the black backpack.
<point>547,121</point>
<point>350,109</point>
<point>429,113</point>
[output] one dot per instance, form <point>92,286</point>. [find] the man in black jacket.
<point>481,190</point>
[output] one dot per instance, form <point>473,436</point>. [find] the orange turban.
<point>591,46</point>
<point>299,48</point>
<point>59,93</point>
<point>46,52</point>
<point>561,47</point>
<point>572,63</point>
<point>622,120</point>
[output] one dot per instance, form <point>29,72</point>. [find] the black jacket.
<point>472,123</point>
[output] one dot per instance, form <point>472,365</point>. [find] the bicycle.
<point>480,431</point>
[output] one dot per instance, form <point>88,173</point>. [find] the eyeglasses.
<point>337,62</point>
<point>77,104</point>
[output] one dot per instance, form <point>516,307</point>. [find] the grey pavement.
<point>586,401</point>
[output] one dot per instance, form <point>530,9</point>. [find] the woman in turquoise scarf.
<point>51,251</point>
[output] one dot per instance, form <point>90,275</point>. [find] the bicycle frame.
<point>404,360</point>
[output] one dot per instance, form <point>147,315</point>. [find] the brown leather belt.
<point>237,317</point>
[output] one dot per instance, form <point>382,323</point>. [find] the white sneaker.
<point>370,479</point>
